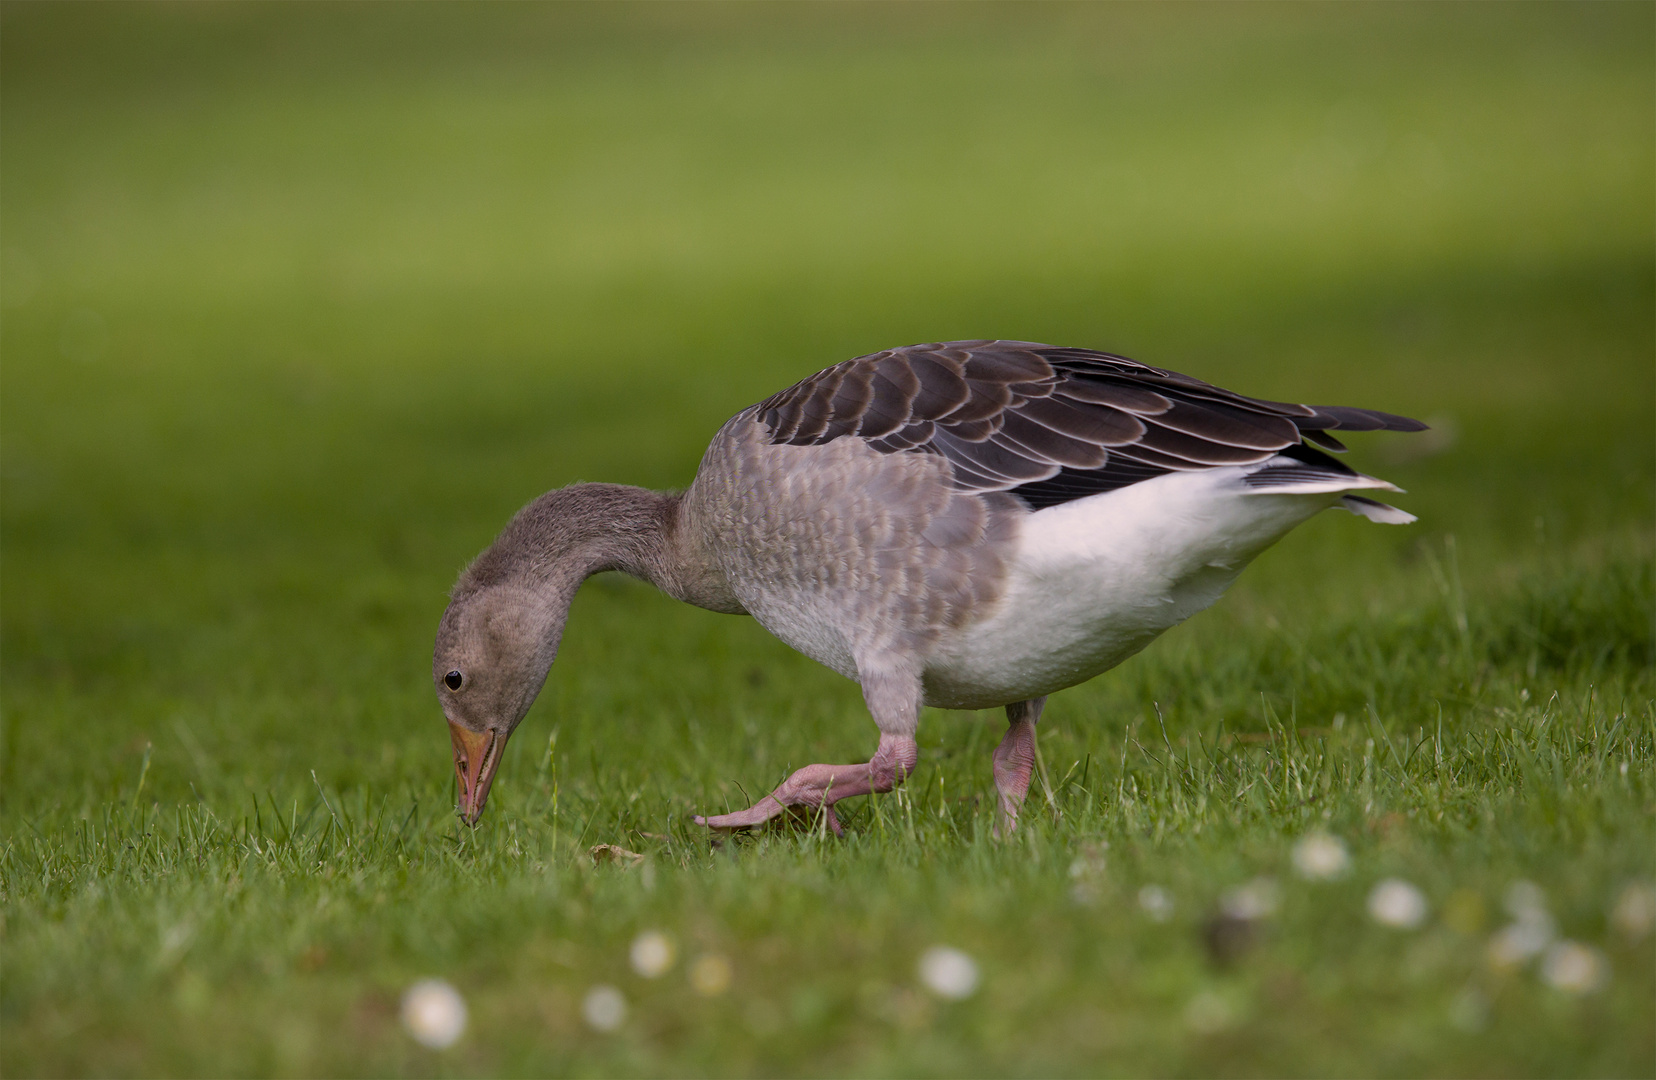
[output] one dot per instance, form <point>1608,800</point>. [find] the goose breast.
<point>842,551</point>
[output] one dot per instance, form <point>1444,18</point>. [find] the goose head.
<point>506,615</point>
<point>495,646</point>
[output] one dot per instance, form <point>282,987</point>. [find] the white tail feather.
<point>1376,511</point>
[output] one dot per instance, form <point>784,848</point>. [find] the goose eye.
<point>453,680</point>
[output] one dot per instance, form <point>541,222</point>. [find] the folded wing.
<point>1051,424</point>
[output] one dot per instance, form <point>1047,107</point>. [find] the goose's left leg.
<point>1015,760</point>
<point>894,699</point>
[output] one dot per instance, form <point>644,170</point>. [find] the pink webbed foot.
<point>771,808</point>
<point>815,789</point>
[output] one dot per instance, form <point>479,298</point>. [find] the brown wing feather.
<point>1048,424</point>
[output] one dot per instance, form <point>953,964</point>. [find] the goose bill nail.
<point>476,756</point>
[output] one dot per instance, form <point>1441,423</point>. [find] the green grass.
<point>300,303</point>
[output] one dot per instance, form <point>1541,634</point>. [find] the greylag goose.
<point>968,525</point>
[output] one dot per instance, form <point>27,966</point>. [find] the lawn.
<point>300,303</point>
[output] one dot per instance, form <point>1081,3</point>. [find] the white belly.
<point>1097,579</point>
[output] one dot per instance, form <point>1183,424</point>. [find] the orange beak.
<point>476,757</point>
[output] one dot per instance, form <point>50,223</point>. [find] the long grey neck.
<point>567,535</point>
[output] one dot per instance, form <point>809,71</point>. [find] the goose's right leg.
<point>816,788</point>
<point>893,697</point>
<point>1015,761</point>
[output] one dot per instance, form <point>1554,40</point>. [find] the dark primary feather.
<point>1050,424</point>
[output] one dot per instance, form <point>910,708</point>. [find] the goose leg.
<point>816,788</point>
<point>1015,761</point>
<point>892,692</point>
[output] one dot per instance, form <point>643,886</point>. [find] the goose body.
<point>965,525</point>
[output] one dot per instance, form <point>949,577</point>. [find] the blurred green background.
<point>301,302</point>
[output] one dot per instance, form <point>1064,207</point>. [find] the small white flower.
<point>1157,902</point>
<point>710,975</point>
<point>1525,900</point>
<point>652,954</point>
<point>176,938</point>
<point>948,973</point>
<point>604,1008</point>
<point>1519,941</point>
<point>1635,911</point>
<point>1575,968</point>
<point>1255,900</point>
<point>1319,857</point>
<point>434,1013</point>
<point>1531,930</point>
<point>1394,902</point>
<point>1089,862</point>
